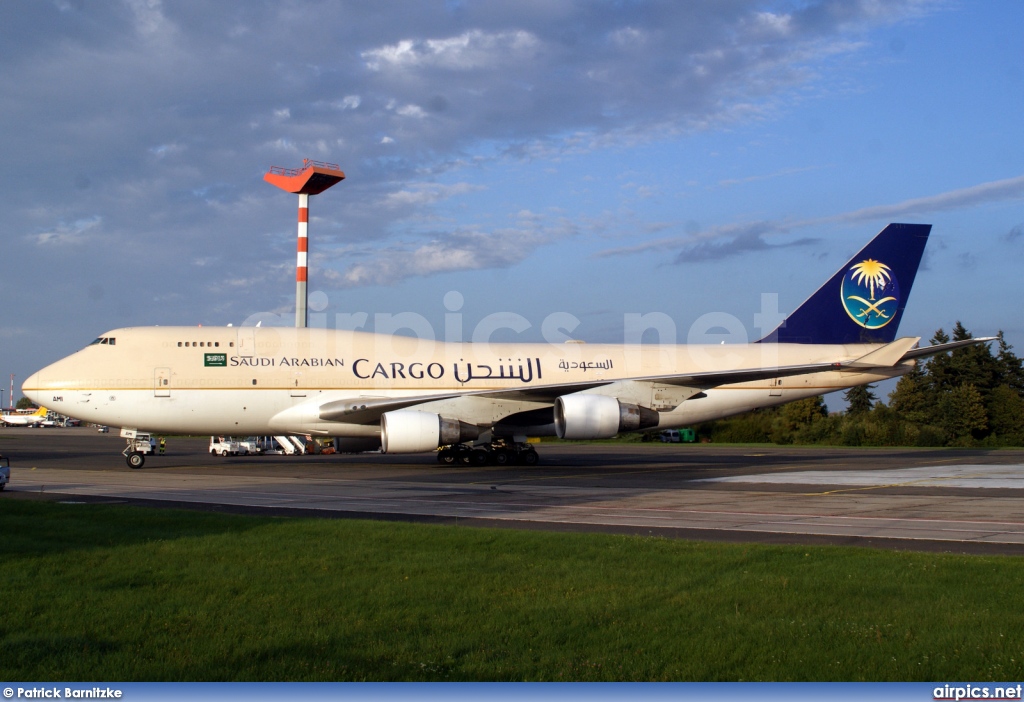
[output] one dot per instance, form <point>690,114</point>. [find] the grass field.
<point>92,592</point>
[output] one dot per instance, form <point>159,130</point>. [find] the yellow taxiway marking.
<point>582,475</point>
<point>908,483</point>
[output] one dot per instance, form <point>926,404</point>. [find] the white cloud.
<point>471,50</point>
<point>411,111</point>
<point>418,194</point>
<point>629,36</point>
<point>349,102</point>
<point>63,234</point>
<point>149,17</point>
<point>720,238</point>
<point>994,191</point>
<point>460,251</point>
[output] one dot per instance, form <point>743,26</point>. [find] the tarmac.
<point>949,500</point>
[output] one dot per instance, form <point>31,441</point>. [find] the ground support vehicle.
<point>5,472</point>
<point>675,436</point>
<point>224,446</point>
<point>250,446</point>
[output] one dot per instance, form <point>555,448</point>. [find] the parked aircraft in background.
<point>480,402</point>
<point>27,418</point>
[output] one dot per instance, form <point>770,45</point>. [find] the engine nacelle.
<point>582,416</point>
<point>410,431</point>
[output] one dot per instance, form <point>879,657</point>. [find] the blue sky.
<point>587,158</point>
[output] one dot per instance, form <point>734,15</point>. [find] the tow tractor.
<point>5,472</point>
<point>139,445</point>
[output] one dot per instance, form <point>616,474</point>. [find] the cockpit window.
<point>98,341</point>
<point>110,340</point>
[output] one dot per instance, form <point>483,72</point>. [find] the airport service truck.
<point>224,446</point>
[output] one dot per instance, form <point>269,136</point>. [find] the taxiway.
<point>928,499</point>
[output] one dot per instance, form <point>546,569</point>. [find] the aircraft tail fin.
<point>863,302</point>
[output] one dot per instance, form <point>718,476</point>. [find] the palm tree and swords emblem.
<point>870,293</point>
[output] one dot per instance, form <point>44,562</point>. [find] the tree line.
<point>972,396</point>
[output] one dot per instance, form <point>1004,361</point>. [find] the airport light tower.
<point>312,179</point>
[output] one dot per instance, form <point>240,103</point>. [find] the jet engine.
<point>411,431</point>
<point>582,416</point>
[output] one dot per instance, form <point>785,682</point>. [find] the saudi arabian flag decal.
<point>871,294</point>
<point>215,359</point>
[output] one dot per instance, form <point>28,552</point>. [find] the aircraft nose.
<point>32,387</point>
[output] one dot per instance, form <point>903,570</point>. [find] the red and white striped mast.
<point>312,179</point>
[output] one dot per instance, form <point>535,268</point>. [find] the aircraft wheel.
<point>446,457</point>
<point>529,457</point>
<point>501,457</point>
<point>479,457</point>
<point>136,459</point>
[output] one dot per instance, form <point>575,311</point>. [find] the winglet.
<point>864,301</point>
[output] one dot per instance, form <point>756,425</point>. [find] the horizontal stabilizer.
<point>943,348</point>
<point>887,356</point>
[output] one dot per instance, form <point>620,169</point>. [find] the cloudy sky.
<point>586,160</point>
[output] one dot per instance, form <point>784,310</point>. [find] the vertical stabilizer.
<point>863,302</point>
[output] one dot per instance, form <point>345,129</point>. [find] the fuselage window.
<point>179,344</point>
<point>216,344</point>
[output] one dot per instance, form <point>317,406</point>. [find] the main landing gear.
<point>499,453</point>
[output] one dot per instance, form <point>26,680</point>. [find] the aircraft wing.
<point>369,410</point>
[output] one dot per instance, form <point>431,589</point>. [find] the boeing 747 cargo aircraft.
<point>480,402</point>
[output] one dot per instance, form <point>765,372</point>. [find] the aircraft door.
<point>246,341</point>
<point>775,387</point>
<point>162,382</point>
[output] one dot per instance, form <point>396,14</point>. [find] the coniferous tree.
<point>914,398</point>
<point>1010,370</point>
<point>963,415</point>
<point>859,400</point>
<point>796,417</point>
<point>1006,416</point>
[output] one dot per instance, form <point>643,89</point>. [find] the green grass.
<point>94,592</point>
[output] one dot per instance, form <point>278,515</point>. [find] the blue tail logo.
<point>870,293</point>
<point>864,301</point>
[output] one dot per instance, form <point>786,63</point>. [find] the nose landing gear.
<point>138,446</point>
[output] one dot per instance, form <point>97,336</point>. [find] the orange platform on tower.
<point>312,179</point>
